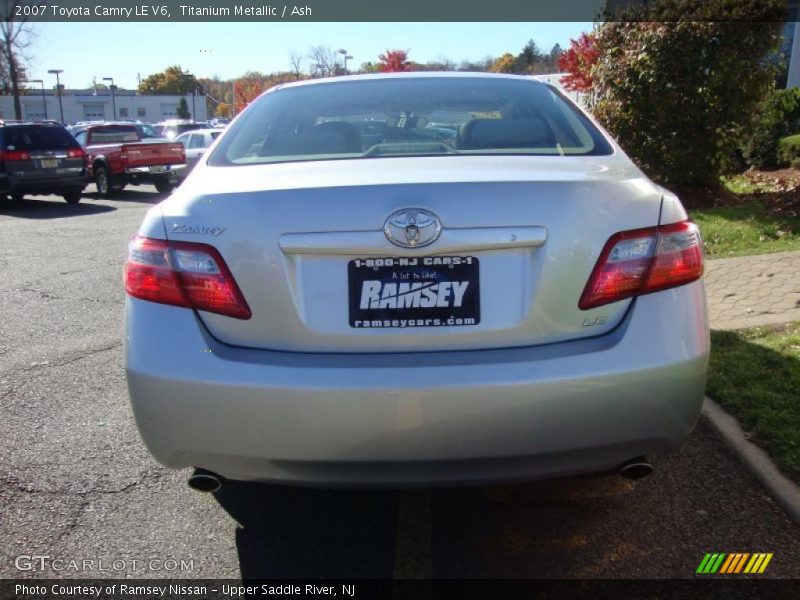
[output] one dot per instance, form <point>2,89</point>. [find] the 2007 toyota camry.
<point>415,279</point>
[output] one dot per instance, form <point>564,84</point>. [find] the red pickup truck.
<point>116,156</point>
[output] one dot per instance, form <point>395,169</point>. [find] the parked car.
<point>146,131</point>
<point>195,143</point>
<point>40,158</point>
<point>172,128</point>
<point>117,156</point>
<point>515,302</point>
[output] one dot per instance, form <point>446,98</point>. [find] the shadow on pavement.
<point>131,195</point>
<point>56,208</point>
<point>288,532</point>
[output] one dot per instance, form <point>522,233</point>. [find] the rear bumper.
<point>143,175</point>
<point>423,418</point>
<point>10,184</point>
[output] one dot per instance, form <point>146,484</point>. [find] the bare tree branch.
<point>16,36</point>
<point>297,62</point>
<point>323,59</point>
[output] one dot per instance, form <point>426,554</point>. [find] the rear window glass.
<point>113,135</point>
<point>184,127</point>
<point>37,137</point>
<point>408,117</point>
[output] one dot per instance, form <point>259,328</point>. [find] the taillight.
<point>183,274</point>
<point>642,261</point>
<point>75,153</point>
<point>15,155</point>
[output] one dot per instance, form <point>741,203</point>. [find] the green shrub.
<point>789,151</point>
<point>677,91</point>
<point>777,116</point>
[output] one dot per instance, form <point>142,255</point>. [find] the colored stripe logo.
<point>733,563</point>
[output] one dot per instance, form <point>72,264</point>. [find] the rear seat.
<point>479,134</point>
<point>331,137</point>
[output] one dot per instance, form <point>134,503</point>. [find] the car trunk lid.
<point>519,238</point>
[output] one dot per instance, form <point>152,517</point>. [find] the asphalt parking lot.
<point>76,483</point>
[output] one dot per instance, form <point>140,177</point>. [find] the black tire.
<point>102,179</point>
<point>73,196</point>
<point>17,197</point>
<point>163,186</point>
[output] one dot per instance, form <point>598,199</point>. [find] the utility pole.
<point>112,87</point>
<point>57,72</point>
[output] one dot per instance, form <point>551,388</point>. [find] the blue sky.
<point>121,50</point>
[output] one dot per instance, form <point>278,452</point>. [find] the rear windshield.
<point>37,137</point>
<point>184,127</point>
<point>114,134</point>
<point>408,117</point>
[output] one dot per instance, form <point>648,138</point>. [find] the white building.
<point>86,105</point>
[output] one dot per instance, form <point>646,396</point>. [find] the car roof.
<point>203,130</point>
<point>15,123</point>
<point>409,75</point>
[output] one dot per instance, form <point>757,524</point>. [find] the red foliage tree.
<point>578,61</point>
<point>245,92</point>
<point>393,61</point>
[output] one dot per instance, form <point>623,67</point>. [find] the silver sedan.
<point>415,279</point>
<point>196,143</point>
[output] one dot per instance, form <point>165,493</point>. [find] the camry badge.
<point>412,227</point>
<point>197,229</point>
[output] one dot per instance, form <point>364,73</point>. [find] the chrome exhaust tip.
<point>205,481</point>
<point>636,468</point>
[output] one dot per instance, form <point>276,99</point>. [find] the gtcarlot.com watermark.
<point>45,562</point>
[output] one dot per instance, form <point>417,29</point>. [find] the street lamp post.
<point>344,53</point>
<point>57,72</point>
<point>194,115</point>
<point>113,88</point>
<point>44,99</point>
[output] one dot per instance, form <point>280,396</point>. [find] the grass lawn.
<point>755,375</point>
<point>745,229</point>
<point>757,212</point>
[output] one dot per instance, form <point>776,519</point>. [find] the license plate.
<point>50,163</point>
<point>424,291</point>
<point>158,169</point>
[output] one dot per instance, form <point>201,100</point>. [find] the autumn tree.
<point>223,110</point>
<point>578,61</point>
<point>369,67</point>
<point>172,80</point>
<point>15,38</point>
<point>504,64</point>
<point>245,91</point>
<point>394,61</point>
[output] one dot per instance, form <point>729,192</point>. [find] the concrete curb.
<point>754,459</point>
